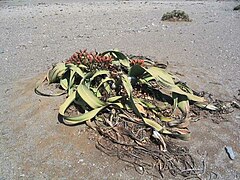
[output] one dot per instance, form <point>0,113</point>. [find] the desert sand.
<point>34,34</point>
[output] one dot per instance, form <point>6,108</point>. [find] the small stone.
<point>1,50</point>
<point>141,168</point>
<point>80,160</point>
<point>237,8</point>
<point>230,152</point>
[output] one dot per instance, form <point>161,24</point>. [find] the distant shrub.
<point>176,15</point>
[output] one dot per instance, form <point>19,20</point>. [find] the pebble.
<point>80,160</point>
<point>1,51</point>
<point>230,152</point>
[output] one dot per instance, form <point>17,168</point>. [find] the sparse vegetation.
<point>176,15</point>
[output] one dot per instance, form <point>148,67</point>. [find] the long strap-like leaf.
<point>128,87</point>
<point>77,119</point>
<point>54,74</point>
<point>88,96</point>
<point>83,117</point>
<point>165,79</point>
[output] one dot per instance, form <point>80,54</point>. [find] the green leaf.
<point>181,101</point>
<point>128,87</point>
<point>116,63</point>
<point>206,106</point>
<point>192,97</point>
<point>52,71</point>
<point>114,98</point>
<point>77,70</point>
<point>64,83</point>
<point>71,78</point>
<point>86,79</point>
<point>167,82</point>
<point>119,105</point>
<point>107,88</point>
<point>136,71</point>
<point>104,81</point>
<point>175,100</point>
<point>56,72</point>
<point>184,106</point>
<point>156,126</point>
<point>99,73</point>
<point>160,74</point>
<point>148,78</point>
<point>127,84</point>
<point>184,87</point>
<point>84,117</point>
<point>165,119</point>
<point>81,103</point>
<point>124,62</point>
<point>82,66</point>
<point>98,94</point>
<point>88,115</point>
<point>88,96</point>
<point>67,103</point>
<point>119,56</point>
<point>147,104</point>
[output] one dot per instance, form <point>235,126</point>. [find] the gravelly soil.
<point>34,145</point>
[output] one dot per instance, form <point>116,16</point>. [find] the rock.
<point>230,152</point>
<point>1,50</point>
<point>237,8</point>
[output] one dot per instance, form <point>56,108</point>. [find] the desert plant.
<point>97,83</point>
<point>176,15</point>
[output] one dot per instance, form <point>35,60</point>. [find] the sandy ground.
<point>35,34</point>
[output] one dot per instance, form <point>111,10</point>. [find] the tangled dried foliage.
<point>134,104</point>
